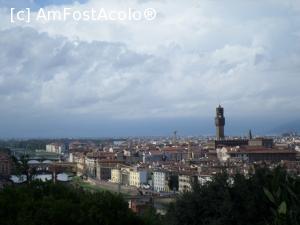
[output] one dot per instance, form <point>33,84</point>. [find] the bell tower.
<point>220,123</point>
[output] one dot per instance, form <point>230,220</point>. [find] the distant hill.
<point>293,126</point>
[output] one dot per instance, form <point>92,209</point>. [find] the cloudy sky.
<point>120,78</point>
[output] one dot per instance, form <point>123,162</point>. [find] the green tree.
<point>265,197</point>
<point>21,167</point>
<point>46,203</point>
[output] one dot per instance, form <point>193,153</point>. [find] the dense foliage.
<point>39,203</point>
<point>266,197</point>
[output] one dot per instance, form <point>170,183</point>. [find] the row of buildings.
<point>164,167</point>
<point>171,164</point>
<point>159,176</point>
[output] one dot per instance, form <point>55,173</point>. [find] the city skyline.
<point>131,78</point>
<point>157,112</point>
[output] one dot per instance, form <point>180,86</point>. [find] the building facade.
<point>160,181</point>
<point>91,166</point>
<point>120,175</point>
<point>256,154</point>
<point>115,175</point>
<point>138,177</point>
<point>185,182</point>
<point>263,142</point>
<point>56,148</point>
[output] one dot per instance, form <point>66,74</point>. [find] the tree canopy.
<point>39,203</point>
<point>266,197</point>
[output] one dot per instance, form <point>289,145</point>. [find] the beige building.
<point>120,175</point>
<point>79,159</point>
<point>138,177</point>
<point>91,166</point>
<point>185,182</point>
<point>115,175</point>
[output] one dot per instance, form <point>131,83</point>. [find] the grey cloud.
<point>249,63</point>
<point>64,73</point>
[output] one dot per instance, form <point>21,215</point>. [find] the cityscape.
<point>149,112</point>
<point>151,171</point>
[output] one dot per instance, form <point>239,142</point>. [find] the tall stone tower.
<point>220,123</point>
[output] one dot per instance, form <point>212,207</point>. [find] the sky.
<point>136,78</point>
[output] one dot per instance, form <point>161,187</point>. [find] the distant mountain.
<point>293,126</point>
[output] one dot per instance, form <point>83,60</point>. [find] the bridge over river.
<point>46,170</point>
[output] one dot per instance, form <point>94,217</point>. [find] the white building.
<point>56,148</point>
<point>203,179</point>
<point>160,182</point>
